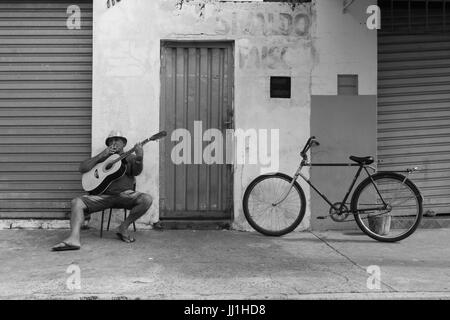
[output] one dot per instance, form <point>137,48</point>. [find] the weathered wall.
<point>271,39</point>
<point>344,45</point>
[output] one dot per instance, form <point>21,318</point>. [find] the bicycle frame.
<point>361,167</point>
<point>305,163</point>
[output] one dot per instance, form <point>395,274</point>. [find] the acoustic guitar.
<point>99,178</point>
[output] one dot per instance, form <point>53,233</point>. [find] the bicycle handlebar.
<point>312,142</point>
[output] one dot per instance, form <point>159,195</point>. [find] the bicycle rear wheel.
<point>267,218</point>
<point>387,207</point>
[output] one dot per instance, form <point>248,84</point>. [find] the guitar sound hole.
<point>108,167</point>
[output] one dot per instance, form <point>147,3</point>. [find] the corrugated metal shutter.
<point>414,108</point>
<point>45,106</point>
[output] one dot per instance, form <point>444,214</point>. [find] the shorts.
<point>125,200</point>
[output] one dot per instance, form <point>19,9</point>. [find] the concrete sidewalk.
<point>225,265</point>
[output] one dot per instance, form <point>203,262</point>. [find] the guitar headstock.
<point>158,136</point>
<point>155,137</point>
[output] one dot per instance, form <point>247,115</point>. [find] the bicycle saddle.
<point>363,160</point>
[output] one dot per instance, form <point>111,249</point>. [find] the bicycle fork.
<point>288,191</point>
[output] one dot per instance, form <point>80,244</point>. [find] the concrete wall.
<point>344,125</point>
<point>344,45</point>
<point>271,39</point>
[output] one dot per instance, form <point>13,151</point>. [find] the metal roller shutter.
<point>45,106</point>
<point>414,98</point>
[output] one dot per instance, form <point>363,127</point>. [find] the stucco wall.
<point>271,39</point>
<point>344,125</point>
<point>344,45</point>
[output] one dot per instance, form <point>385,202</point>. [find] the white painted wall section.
<point>311,42</point>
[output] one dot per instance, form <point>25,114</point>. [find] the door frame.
<point>170,43</point>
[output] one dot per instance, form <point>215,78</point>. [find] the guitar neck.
<point>128,153</point>
<point>153,138</point>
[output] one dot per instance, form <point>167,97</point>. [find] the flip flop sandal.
<point>65,247</point>
<point>157,226</point>
<point>124,238</point>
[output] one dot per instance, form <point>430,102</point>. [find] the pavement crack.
<point>350,260</point>
<point>283,285</point>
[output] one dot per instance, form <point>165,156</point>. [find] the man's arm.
<point>88,164</point>
<point>137,165</point>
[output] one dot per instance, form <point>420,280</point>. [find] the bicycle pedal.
<point>322,218</point>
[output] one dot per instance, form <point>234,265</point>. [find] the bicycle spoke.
<point>261,208</point>
<point>289,213</point>
<point>400,203</point>
<point>394,220</point>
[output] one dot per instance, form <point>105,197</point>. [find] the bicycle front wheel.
<point>265,214</point>
<point>387,207</point>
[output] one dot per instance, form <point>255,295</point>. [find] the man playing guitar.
<point>119,194</point>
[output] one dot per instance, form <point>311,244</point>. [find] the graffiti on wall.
<point>264,24</point>
<point>261,57</point>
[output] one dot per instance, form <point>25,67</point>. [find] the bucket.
<point>381,225</point>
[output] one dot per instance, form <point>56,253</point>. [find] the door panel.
<point>197,81</point>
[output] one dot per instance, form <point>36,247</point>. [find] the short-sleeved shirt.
<point>128,180</point>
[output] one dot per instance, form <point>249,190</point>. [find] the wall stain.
<point>179,4</point>
<point>200,10</point>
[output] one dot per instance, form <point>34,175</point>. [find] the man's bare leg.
<point>143,203</point>
<point>76,221</point>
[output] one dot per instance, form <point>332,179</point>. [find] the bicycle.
<point>387,206</point>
